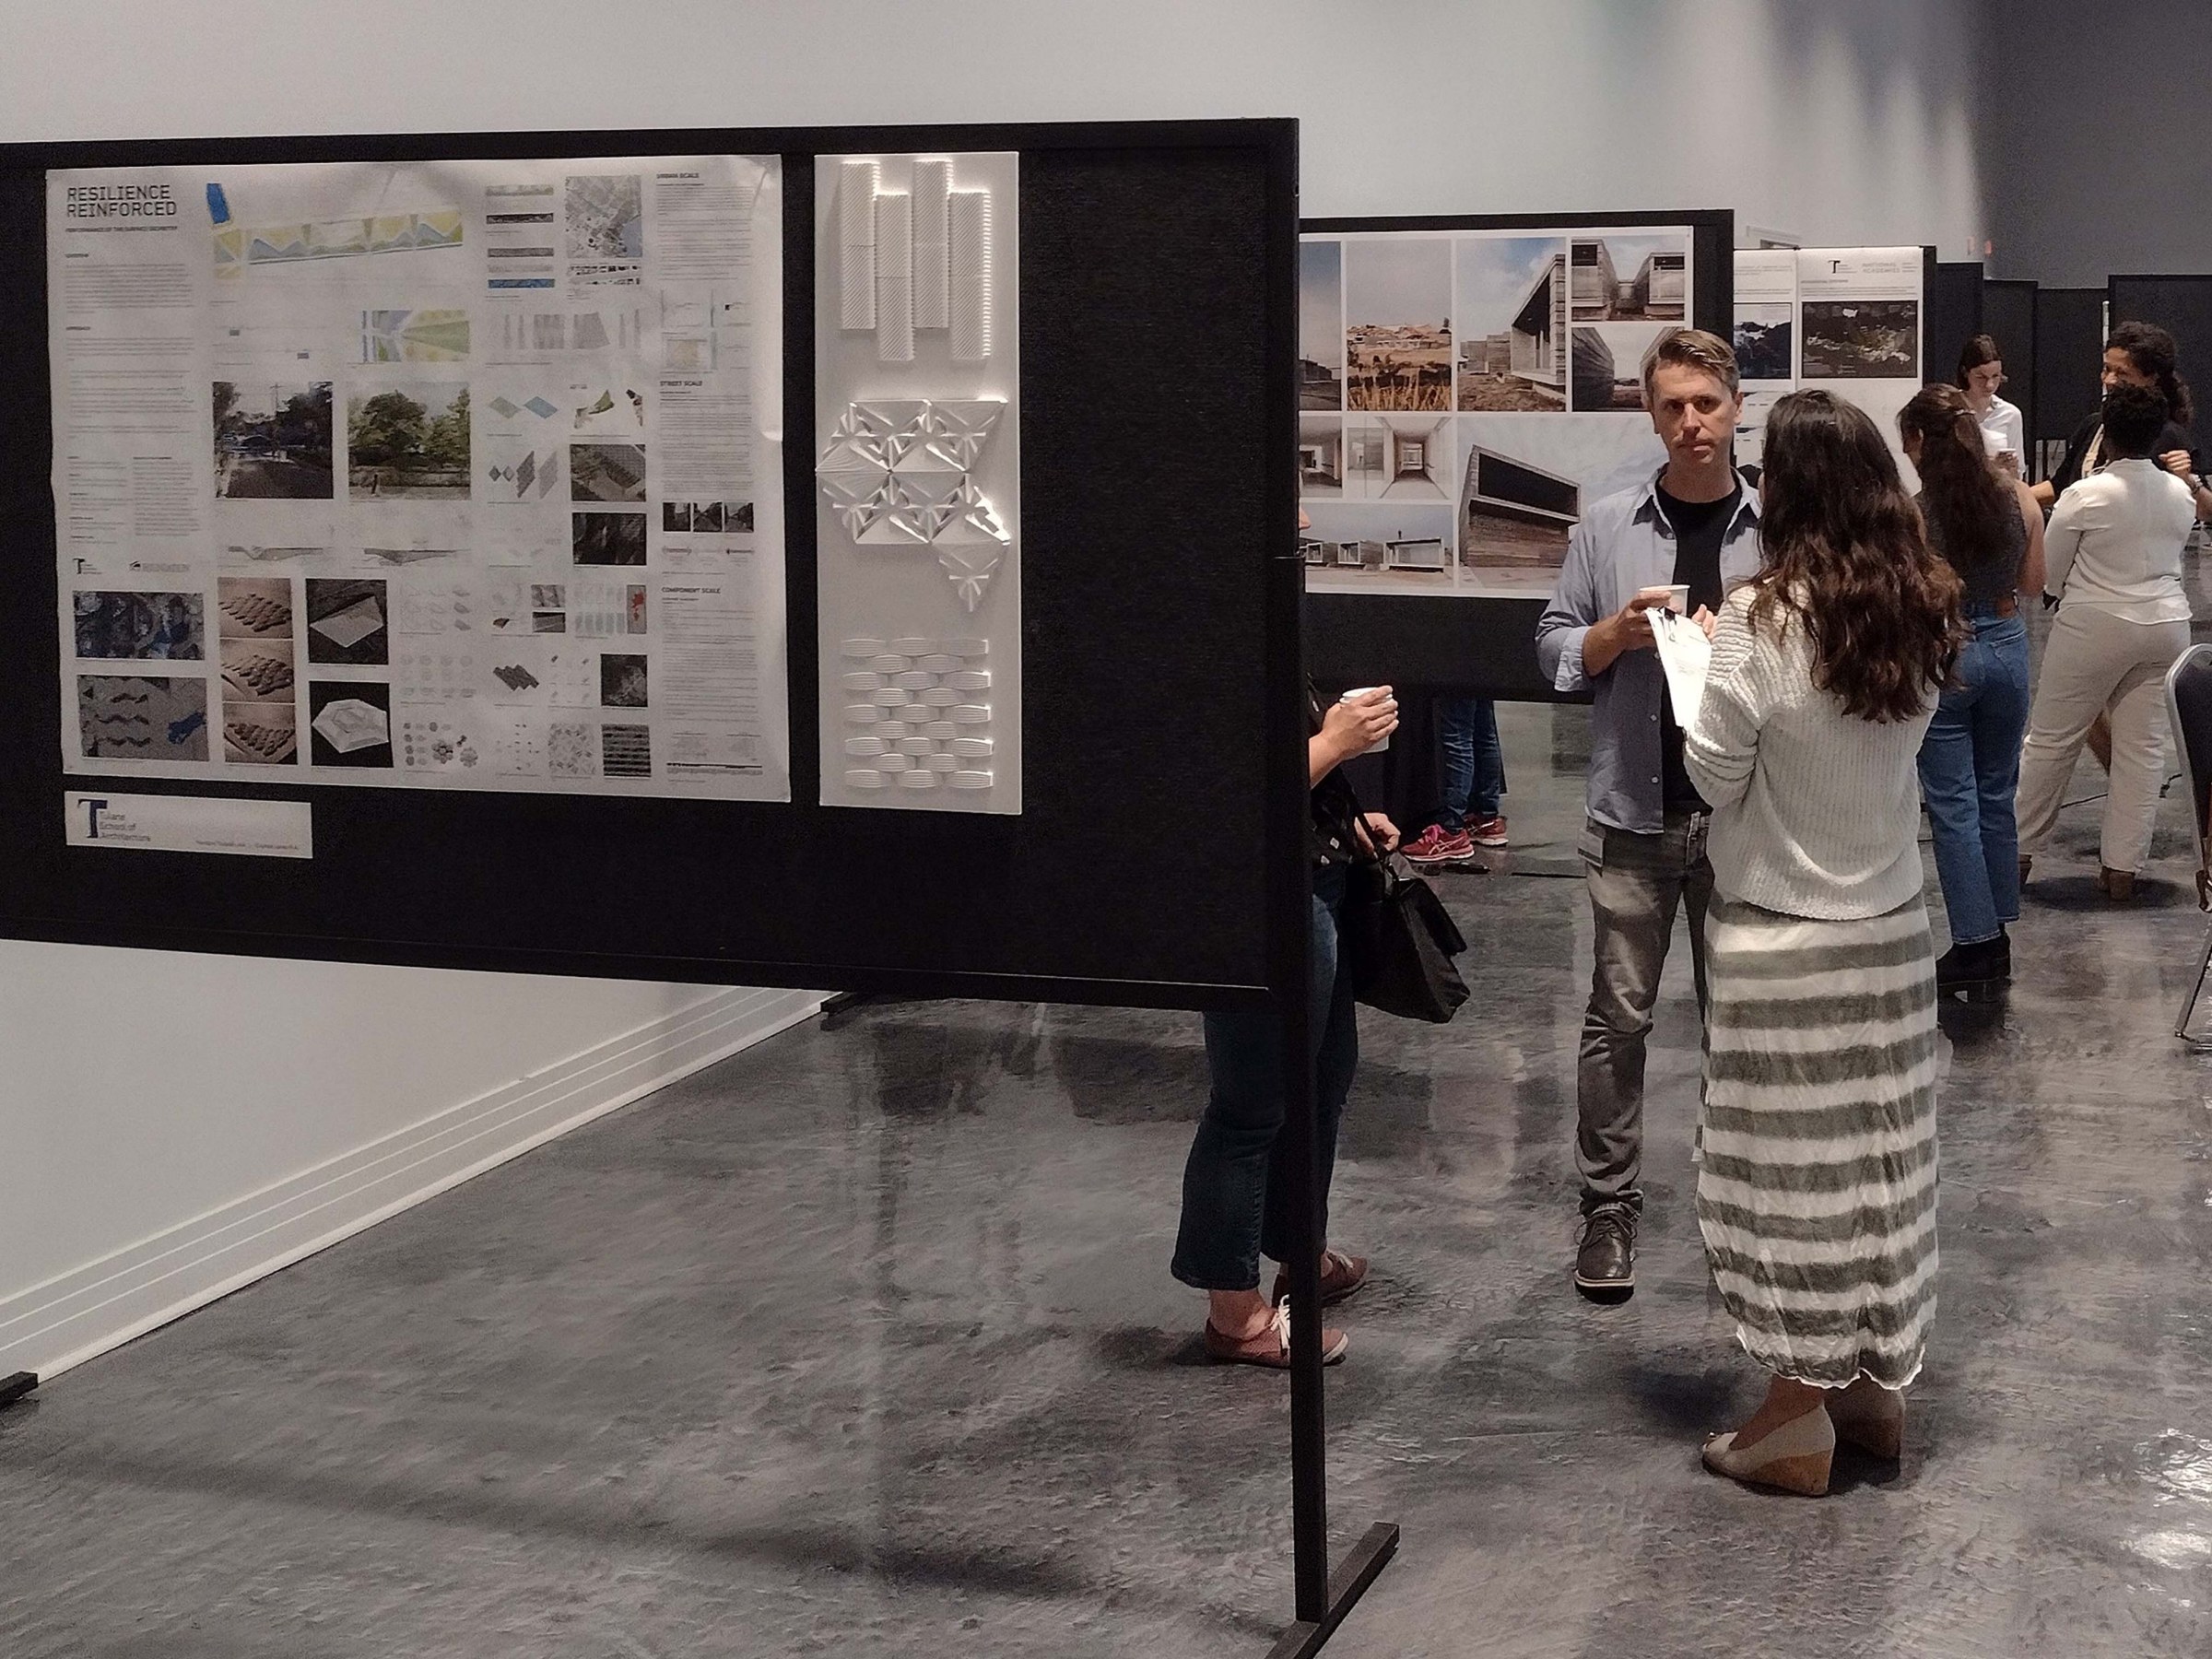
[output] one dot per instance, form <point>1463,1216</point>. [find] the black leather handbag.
<point>1399,941</point>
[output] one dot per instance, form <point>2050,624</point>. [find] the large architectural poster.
<point>1464,395</point>
<point>460,473</point>
<point>1847,320</point>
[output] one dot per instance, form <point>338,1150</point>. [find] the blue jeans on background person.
<point>1235,1189</point>
<point>1474,780</point>
<point>1969,770</point>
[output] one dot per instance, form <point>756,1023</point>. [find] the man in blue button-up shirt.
<point>1695,524</point>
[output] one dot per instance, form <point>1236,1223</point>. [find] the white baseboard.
<point>88,1309</point>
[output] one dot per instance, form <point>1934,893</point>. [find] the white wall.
<point>1849,123</point>
<point>171,1124</point>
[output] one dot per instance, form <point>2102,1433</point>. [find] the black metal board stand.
<point>1159,294</point>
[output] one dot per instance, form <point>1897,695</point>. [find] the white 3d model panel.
<point>856,245</point>
<point>918,482</point>
<point>902,473</point>
<point>913,259</point>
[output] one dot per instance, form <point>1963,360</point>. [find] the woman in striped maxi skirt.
<point>1818,1155</point>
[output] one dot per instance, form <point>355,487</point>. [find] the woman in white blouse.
<point>1817,1143</point>
<point>2003,430</point>
<point>2112,551</point>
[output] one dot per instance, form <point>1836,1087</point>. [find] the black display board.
<point>1157,299</point>
<point>2008,307</point>
<point>2069,356</point>
<point>1161,855</point>
<point>1417,643</point>
<point>2181,306</point>
<point>1953,316</point>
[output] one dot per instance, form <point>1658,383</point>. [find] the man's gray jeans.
<point>1637,884</point>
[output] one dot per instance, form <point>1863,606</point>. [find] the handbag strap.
<point>1369,854</point>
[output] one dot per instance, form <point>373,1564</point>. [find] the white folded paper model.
<point>347,627</point>
<point>350,723</point>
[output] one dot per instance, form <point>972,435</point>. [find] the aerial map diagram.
<point>607,217</point>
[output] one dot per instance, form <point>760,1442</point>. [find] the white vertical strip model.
<point>932,251</point>
<point>856,249</point>
<point>894,277</point>
<point>971,223</point>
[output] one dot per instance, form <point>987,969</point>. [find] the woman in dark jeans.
<point>1988,528</point>
<point>1235,1192</point>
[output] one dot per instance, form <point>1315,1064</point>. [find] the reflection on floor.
<point>863,1343</point>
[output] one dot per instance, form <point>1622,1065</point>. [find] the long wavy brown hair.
<point>1959,490</point>
<point>1846,556</point>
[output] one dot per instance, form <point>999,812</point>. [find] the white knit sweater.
<point>1816,812</point>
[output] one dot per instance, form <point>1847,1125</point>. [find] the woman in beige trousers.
<point>2114,552</point>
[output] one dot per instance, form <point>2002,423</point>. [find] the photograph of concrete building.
<point>1397,310</point>
<point>1765,341</point>
<point>1368,548</point>
<point>1860,339</point>
<point>1320,455</point>
<point>1607,365</point>
<point>1396,459</point>
<point>1523,486</point>
<point>1320,325</point>
<point>1631,278</point>
<point>1508,295</point>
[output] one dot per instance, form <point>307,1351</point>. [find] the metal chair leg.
<point>2196,989</point>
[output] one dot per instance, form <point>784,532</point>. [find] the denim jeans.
<point>1235,1188</point>
<point>1970,769</point>
<point>1473,781</point>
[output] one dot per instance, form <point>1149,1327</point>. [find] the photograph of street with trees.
<point>409,443</point>
<point>272,441</point>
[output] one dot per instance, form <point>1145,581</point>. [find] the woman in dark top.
<point>1990,530</point>
<point>1235,1192</point>
<point>2139,354</point>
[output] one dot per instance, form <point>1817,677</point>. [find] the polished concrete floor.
<point>862,1343</point>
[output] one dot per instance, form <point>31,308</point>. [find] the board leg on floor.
<point>1346,1585</point>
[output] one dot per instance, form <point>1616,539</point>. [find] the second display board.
<point>1463,395</point>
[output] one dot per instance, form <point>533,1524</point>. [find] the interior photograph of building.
<point>1580,1024</point>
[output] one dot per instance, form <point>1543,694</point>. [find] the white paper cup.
<point>1372,748</point>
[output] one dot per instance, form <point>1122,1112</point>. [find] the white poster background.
<point>243,595</point>
<point>1884,279</point>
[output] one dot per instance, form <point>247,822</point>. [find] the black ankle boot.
<point>1974,967</point>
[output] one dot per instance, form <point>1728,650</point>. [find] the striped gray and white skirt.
<point>1818,1164</point>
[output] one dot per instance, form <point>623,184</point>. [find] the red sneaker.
<point>1433,846</point>
<point>1488,832</point>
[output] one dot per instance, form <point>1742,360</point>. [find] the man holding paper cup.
<point>1672,544</point>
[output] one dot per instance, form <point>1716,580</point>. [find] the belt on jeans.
<point>1996,611</point>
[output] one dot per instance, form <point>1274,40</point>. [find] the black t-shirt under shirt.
<point>1699,527</point>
